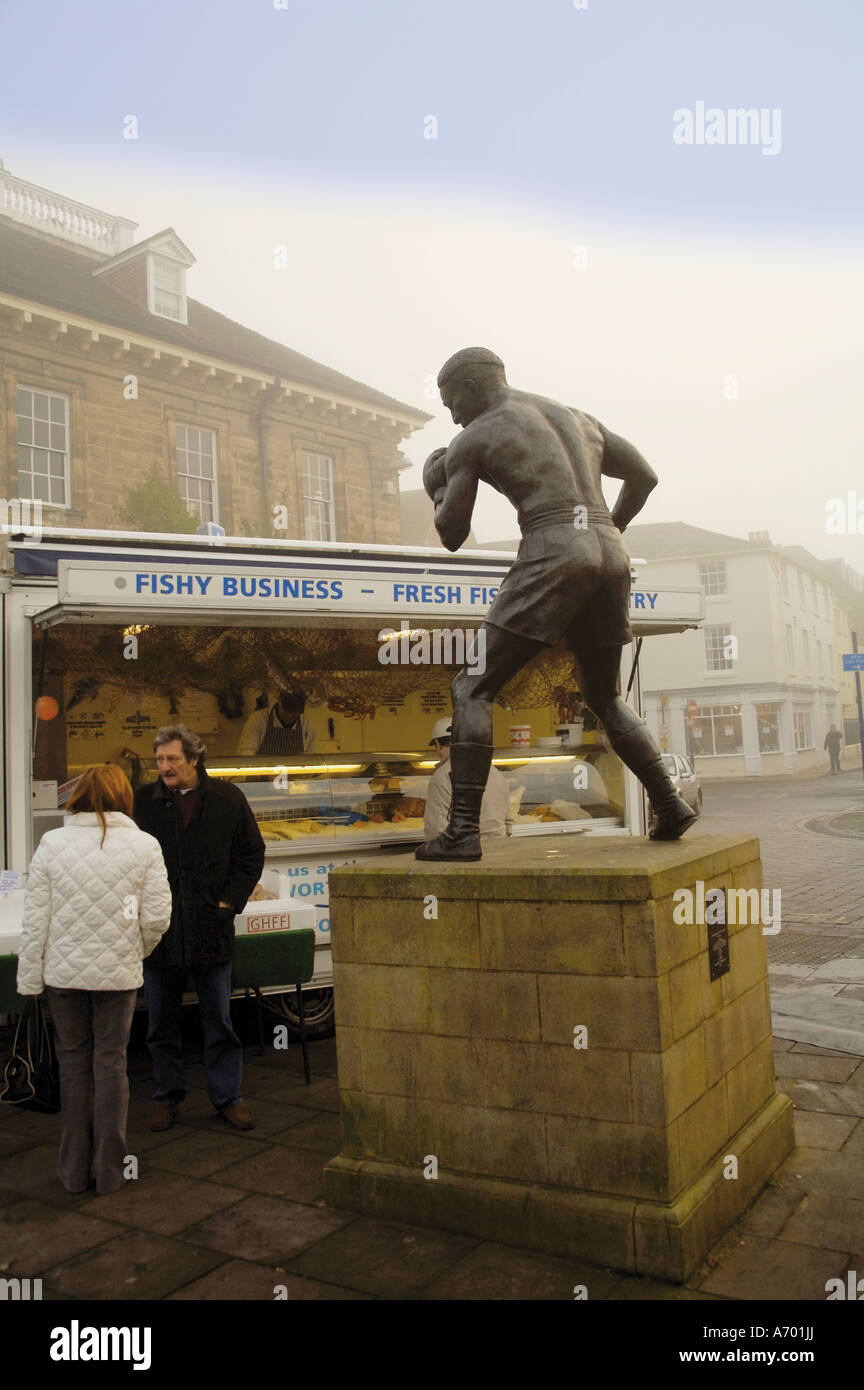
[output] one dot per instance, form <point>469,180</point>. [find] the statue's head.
<point>469,381</point>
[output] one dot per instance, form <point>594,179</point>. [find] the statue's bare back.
<point>538,453</point>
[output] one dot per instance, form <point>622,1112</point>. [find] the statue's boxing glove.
<point>434,476</point>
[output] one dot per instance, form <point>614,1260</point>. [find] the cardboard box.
<point>44,796</point>
<point>283,914</point>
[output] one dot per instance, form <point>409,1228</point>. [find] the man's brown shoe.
<point>163,1117</point>
<point>238,1115</point>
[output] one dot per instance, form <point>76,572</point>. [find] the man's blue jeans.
<point>223,1050</point>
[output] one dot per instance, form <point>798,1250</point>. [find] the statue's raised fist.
<point>434,476</point>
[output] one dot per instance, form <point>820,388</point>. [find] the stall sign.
<point>136,725</point>
<point>86,725</point>
<point>308,882</point>
<point>377,591</point>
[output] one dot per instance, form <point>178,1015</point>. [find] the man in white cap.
<point>495,815</point>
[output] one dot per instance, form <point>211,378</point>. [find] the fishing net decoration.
<point>337,667</point>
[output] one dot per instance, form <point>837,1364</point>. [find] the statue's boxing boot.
<point>639,752</point>
<point>469,771</point>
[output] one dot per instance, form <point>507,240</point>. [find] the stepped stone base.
<point>466,1105</point>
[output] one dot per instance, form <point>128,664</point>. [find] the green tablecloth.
<point>258,960</point>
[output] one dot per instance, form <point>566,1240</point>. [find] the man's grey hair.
<point>191,743</point>
<point>486,365</point>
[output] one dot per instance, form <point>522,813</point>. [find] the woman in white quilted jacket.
<point>97,903</point>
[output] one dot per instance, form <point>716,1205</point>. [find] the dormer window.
<point>152,274</point>
<point>167,288</point>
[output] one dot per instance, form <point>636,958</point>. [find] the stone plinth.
<point>455,1039</point>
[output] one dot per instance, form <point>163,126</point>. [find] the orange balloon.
<point>47,707</point>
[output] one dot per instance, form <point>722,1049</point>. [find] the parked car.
<point>685,778</point>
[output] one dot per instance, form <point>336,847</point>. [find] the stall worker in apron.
<point>279,730</point>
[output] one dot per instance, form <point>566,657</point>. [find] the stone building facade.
<point>109,371</point>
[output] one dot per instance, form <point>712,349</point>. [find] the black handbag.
<point>30,1078</point>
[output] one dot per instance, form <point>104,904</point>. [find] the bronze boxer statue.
<point>570,579</point>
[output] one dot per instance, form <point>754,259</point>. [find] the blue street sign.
<point>853,661</point>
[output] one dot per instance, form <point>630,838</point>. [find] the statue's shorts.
<point>567,583</point>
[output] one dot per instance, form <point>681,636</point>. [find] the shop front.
<point>313,674</point>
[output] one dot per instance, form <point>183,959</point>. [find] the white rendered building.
<point>756,689</point>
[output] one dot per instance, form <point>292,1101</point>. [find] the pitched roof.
<point>48,271</point>
<point>672,540</point>
<point>418,521</point>
<point>662,540</point>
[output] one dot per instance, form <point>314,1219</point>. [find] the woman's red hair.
<point>104,787</point>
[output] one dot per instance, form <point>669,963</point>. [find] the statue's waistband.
<point>579,517</point>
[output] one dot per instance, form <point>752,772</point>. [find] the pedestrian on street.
<point>214,854</point>
<point>833,742</point>
<point>97,903</point>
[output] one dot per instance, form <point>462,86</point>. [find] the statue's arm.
<point>622,460</point>
<point>455,504</point>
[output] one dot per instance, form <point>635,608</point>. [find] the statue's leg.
<point>631,740</point>
<point>474,690</point>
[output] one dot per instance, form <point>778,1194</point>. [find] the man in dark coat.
<point>214,855</point>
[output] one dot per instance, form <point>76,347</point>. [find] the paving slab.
<point>33,1172</point>
<point>322,1134</point>
<point>141,1100</point>
<point>855,1142</point>
<point>498,1273</point>
<point>13,1140</point>
<point>280,1172</point>
<point>384,1258</point>
<point>41,1127</point>
<point>652,1291</point>
<point>823,1095</point>
<point>238,1280</point>
<point>771,1211</point>
<point>199,1154</point>
<point>809,1015</point>
<point>823,1221</point>
<point>140,1140</point>
<point>163,1203</point>
<point>814,1068</point>
<point>809,1050</point>
<point>270,1116</point>
<point>259,1083</point>
<point>135,1265</point>
<point>323,1095</point>
<point>816,1130</point>
<point>848,968</point>
<point>817,1170</point>
<point>761,1269</point>
<point>265,1229</point>
<point>34,1236</point>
